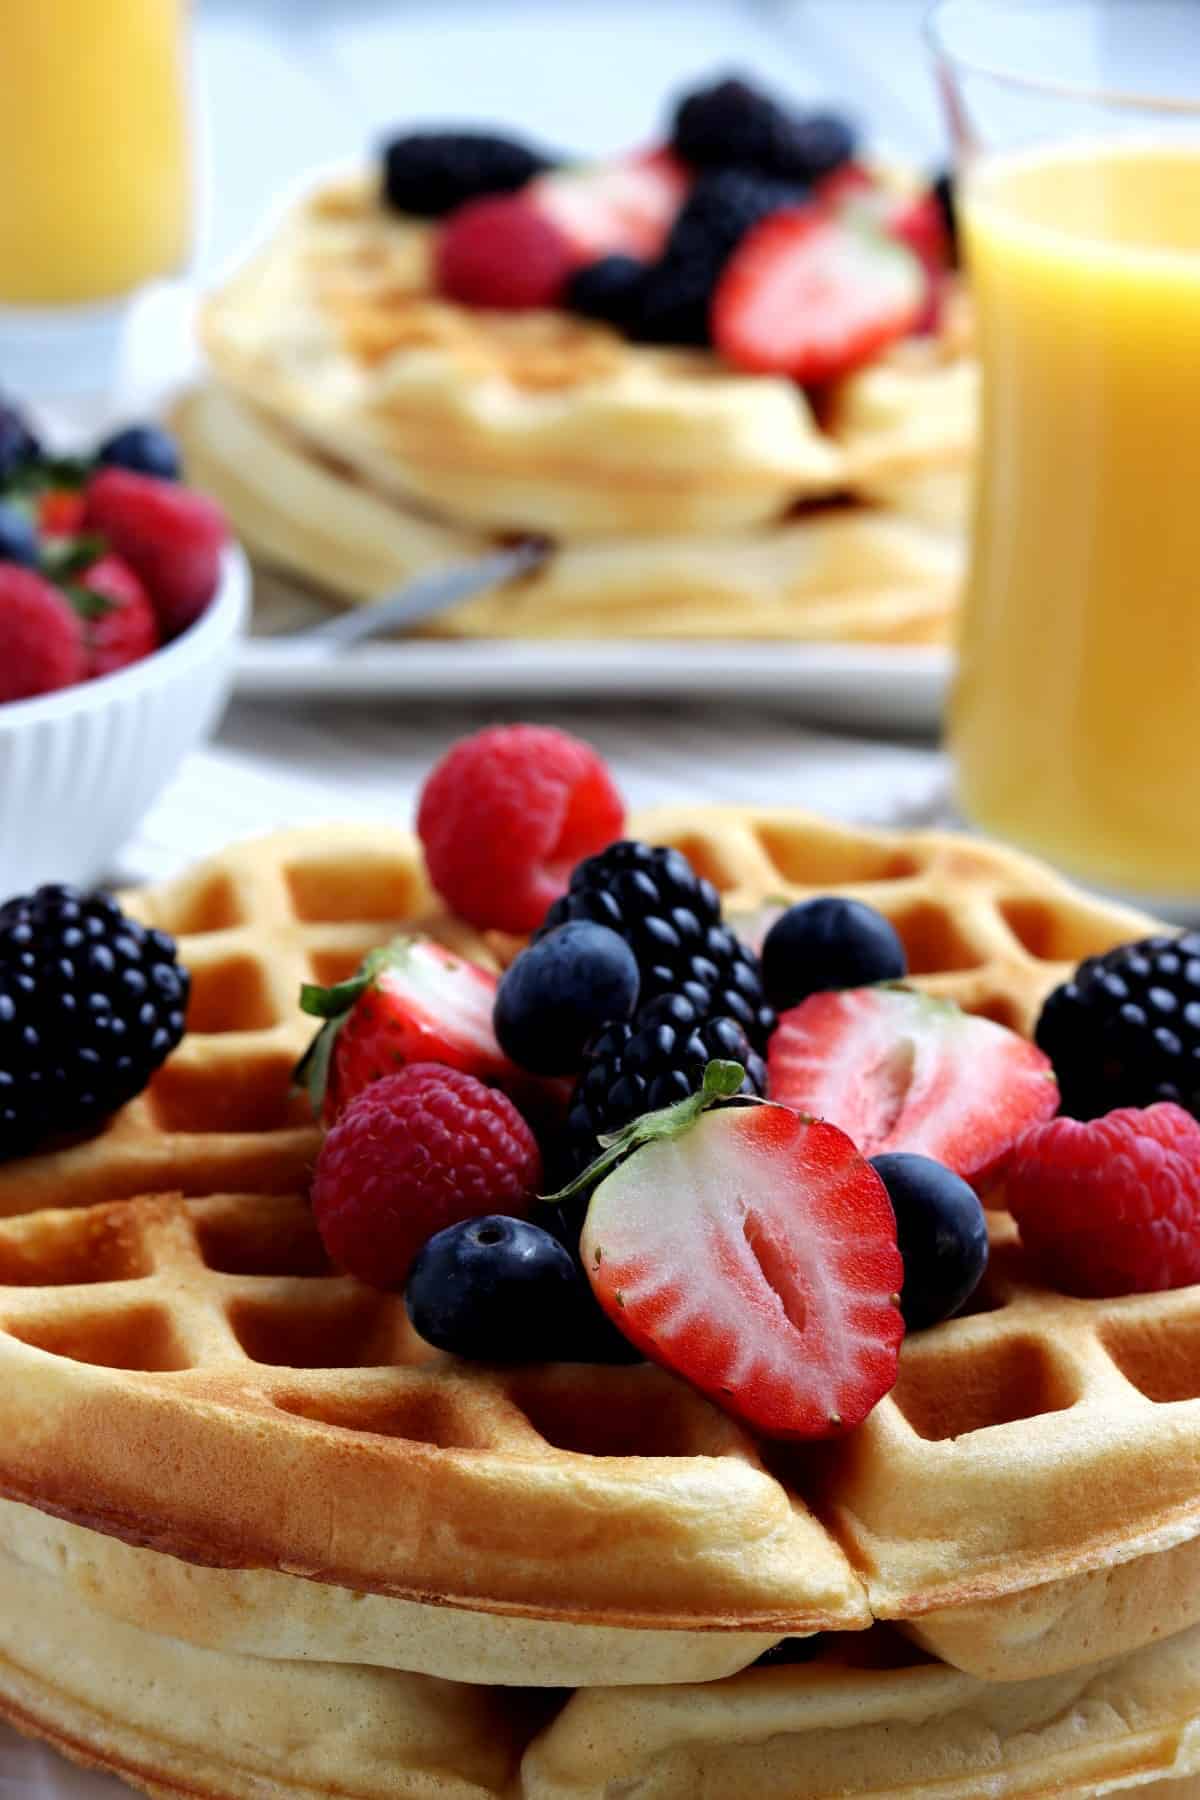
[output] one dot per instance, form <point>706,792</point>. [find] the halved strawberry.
<point>814,296</point>
<point>624,208</point>
<point>899,1070</point>
<point>754,1253</point>
<point>414,1001</point>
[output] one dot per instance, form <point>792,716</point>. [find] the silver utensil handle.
<point>424,598</point>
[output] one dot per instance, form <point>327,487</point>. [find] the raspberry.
<point>413,1153</point>
<point>1111,1206</point>
<point>41,638</point>
<point>503,252</point>
<point>171,536</point>
<point>126,630</point>
<point>506,815</point>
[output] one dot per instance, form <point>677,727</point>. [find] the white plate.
<point>852,684</point>
<point>873,685</point>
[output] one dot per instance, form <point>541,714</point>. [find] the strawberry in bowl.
<point>121,601</point>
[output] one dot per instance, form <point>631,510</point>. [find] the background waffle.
<point>1028,1446</point>
<point>391,428</point>
<point>860,1719</point>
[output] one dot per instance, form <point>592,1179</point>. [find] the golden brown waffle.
<point>865,1719</point>
<point>1027,1447</point>
<point>361,428</point>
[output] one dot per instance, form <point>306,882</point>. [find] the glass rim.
<point>967,63</point>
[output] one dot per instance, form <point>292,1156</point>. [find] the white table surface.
<point>283,85</point>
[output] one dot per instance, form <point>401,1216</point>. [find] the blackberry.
<point>19,448</point>
<point>609,290</point>
<point>733,124</point>
<point>90,1004</point>
<point>1125,1029</point>
<point>431,172</point>
<point>656,1059</point>
<point>722,207</point>
<point>671,920</point>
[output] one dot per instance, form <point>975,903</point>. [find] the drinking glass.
<point>1075,719</point>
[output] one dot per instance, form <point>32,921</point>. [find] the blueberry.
<point>560,992</point>
<point>18,539</point>
<point>19,447</point>
<point>146,449</point>
<point>942,1235</point>
<point>498,1290</point>
<point>828,943</point>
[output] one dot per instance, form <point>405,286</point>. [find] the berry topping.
<point>754,1253</point>
<point>902,1071</point>
<point>41,637</point>
<point>170,536</point>
<point>431,172</point>
<point>723,206</point>
<point>623,208</point>
<point>658,1058</point>
<point>609,290</point>
<point>498,1290</point>
<point>422,1149</point>
<point>942,1235</point>
<point>18,538</point>
<point>414,1001</point>
<point>829,943</point>
<point>146,449</point>
<point>814,296</point>
<point>733,123</point>
<point>560,992</point>
<point>506,815</point>
<point>671,920</point>
<point>19,446</point>
<point>91,1004</point>
<point>1111,1206</point>
<point>503,251</point>
<point>122,628</point>
<point>1125,1029</point>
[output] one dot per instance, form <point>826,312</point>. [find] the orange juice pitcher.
<point>1075,720</point>
<point>95,190</point>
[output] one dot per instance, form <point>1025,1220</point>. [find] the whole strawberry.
<point>1111,1205</point>
<point>41,636</point>
<point>413,1153</point>
<point>121,629</point>
<point>171,536</point>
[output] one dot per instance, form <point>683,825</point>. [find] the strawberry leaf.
<point>64,558</point>
<point>722,1081</point>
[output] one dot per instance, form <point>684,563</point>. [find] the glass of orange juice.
<point>95,188</point>
<point>1075,720</point>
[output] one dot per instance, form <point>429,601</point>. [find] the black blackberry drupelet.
<point>723,206</point>
<point>429,173</point>
<point>1125,1029</point>
<point>91,1003</point>
<point>734,124</point>
<point>671,920</point>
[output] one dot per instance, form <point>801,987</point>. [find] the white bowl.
<point>79,768</point>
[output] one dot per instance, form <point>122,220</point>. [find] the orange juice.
<point>1076,719</point>
<point>94,180</point>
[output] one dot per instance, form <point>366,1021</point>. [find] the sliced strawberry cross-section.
<point>414,1001</point>
<point>899,1070</point>
<point>753,1252</point>
<point>814,296</point>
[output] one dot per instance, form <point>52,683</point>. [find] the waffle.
<point>391,429</point>
<point>1033,1476</point>
<point>865,1718</point>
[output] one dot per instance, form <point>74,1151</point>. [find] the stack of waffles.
<point>358,428</point>
<point>258,1539</point>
